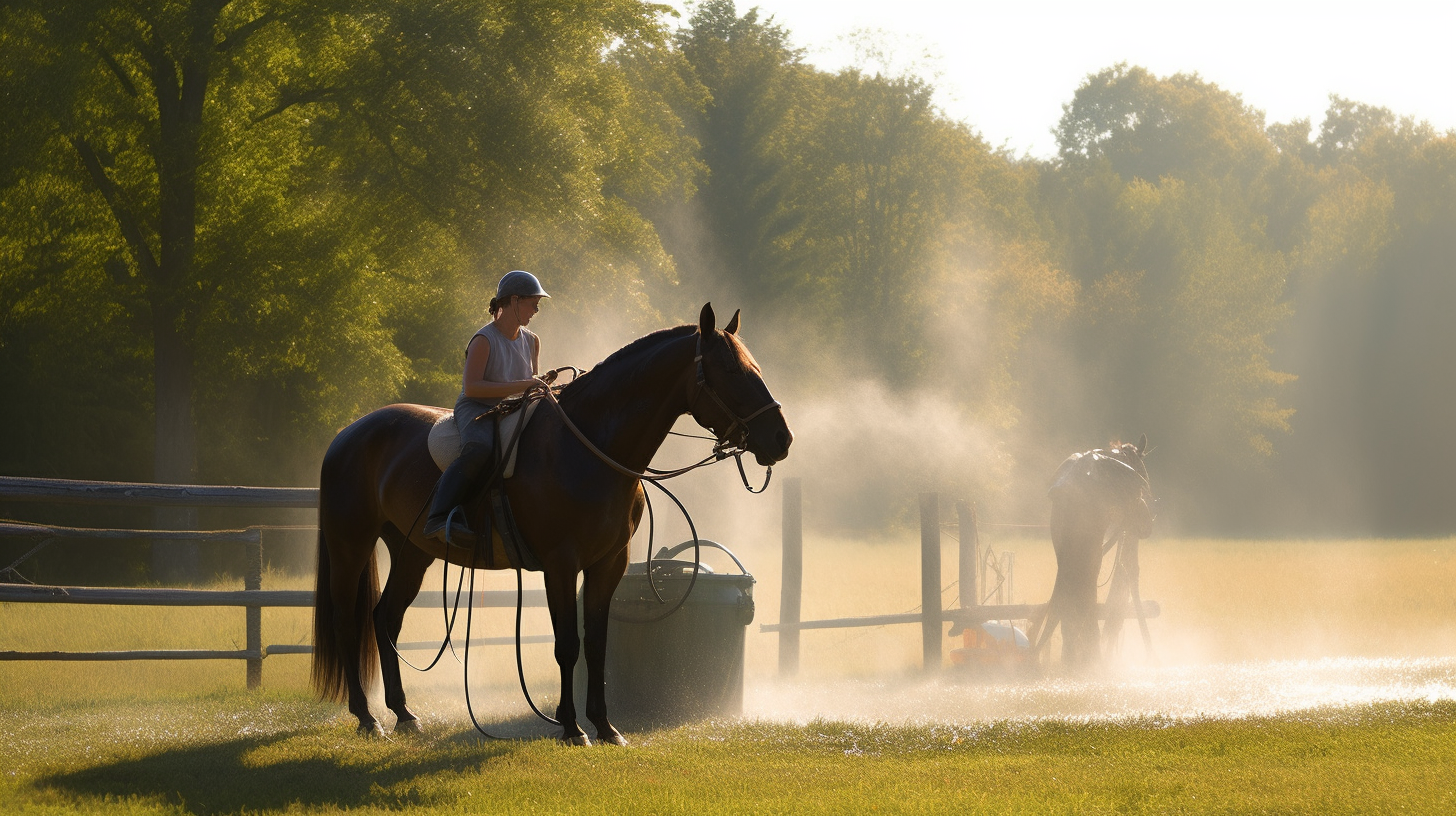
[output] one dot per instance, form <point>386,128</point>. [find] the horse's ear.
<point>706,321</point>
<point>732,327</point>
<point>1142,445</point>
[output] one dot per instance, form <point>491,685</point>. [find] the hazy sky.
<point>1007,68</point>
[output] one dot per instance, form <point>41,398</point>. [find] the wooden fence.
<point>931,617</point>
<point>253,598</point>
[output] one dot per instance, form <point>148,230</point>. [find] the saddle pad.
<point>444,439</point>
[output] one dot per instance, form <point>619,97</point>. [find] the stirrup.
<point>450,530</point>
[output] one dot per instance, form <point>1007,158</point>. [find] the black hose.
<point>651,534</point>
<point>469,615</point>
<point>697,565</point>
<point>520,668</point>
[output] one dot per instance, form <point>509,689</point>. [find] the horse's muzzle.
<point>780,451</point>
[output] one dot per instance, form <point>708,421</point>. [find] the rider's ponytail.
<point>498,303</point>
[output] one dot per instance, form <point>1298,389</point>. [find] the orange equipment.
<point>993,643</point>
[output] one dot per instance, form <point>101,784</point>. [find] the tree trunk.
<point>181,86</point>
<point>174,458</point>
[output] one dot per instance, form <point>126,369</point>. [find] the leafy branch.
<point>130,228</point>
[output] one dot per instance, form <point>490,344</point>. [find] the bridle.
<point>727,444</point>
<point>726,439</point>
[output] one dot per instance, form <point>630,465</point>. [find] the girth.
<point>499,543</point>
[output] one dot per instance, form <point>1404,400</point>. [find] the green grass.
<point>183,738</point>
<point>282,753</point>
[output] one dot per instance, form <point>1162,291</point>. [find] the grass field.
<point>279,753</point>
<point>184,737</point>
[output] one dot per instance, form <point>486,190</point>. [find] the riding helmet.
<point>520,283</point>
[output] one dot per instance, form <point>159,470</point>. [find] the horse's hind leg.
<point>561,598</point>
<point>601,582</point>
<point>407,566</point>
<point>353,574</point>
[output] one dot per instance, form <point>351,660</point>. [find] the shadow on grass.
<point>305,769</point>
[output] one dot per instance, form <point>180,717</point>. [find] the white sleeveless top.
<point>509,361</point>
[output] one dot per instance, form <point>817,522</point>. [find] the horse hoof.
<point>579,739</point>
<point>408,727</point>
<point>369,730</point>
<point>613,737</point>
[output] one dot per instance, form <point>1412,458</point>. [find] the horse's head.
<point>1139,510</point>
<point>729,395</point>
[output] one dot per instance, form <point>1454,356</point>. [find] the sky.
<point>1007,68</point>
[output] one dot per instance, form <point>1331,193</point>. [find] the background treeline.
<point>228,228</point>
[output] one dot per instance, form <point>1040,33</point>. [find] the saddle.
<point>444,440</point>
<point>493,517</point>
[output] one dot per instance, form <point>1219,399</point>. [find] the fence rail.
<point>20,529</point>
<point>253,598</point>
<point>137,654</point>
<point>263,598</point>
<point>73,491</point>
<point>931,616</point>
<point>964,616</point>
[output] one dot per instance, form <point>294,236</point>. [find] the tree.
<point>883,182</point>
<point>1161,200</point>
<point>754,87</point>
<point>1149,127</point>
<point>1372,278</point>
<point>253,176</point>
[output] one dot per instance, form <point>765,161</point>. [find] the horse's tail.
<point>327,675</point>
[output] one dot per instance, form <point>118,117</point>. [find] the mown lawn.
<point>184,738</point>
<point>273,752</point>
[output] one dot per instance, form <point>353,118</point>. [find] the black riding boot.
<point>460,483</point>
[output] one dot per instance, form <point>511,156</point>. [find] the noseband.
<point>726,438</point>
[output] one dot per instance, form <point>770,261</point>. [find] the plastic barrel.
<point>687,666</point>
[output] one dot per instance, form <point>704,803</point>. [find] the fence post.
<point>253,581</point>
<point>791,590</point>
<point>931,630</point>
<point>969,539</point>
<point>1010,577</point>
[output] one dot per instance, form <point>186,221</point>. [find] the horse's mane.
<point>628,356</point>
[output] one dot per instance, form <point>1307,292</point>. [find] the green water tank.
<point>687,666</point>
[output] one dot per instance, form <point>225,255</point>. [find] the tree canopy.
<point>228,228</point>
<point>272,210</point>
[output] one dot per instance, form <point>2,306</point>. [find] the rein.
<point>725,445</point>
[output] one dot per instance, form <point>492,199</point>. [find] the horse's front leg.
<point>561,599</point>
<point>601,582</point>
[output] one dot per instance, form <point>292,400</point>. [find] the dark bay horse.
<point>1093,494</point>
<point>575,511</point>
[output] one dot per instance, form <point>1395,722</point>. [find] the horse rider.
<point>501,360</point>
